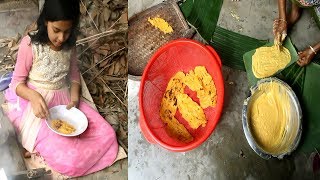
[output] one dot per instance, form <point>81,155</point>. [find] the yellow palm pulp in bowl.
<point>62,126</point>
<point>272,118</point>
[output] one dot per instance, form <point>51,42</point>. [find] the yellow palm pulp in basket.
<point>161,24</point>
<point>198,80</point>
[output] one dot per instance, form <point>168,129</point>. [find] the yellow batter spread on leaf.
<point>266,61</point>
<point>161,24</point>
<point>269,112</point>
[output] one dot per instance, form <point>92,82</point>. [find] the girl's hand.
<point>72,104</point>
<point>39,105</point>
<point>305,57</point>
<point>74,95</point>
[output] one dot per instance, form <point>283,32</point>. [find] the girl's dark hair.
<point>57,10</point>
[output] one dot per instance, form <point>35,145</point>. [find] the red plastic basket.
<point>178,55</point>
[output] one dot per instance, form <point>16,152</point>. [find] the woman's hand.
<point>279,30</point>
<point>72,104</point>
<point>305,57</point>
<point>39,105</point>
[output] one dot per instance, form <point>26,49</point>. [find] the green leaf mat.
<point>310,103</point>
<point>294,75</point>
<point>231,46</point>
<point>203,15</point>
<point>247,58</point>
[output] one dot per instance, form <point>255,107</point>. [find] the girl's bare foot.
<point>294,15</point>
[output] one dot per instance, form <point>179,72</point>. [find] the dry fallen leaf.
<point>124,18</point>
<point>101,22</point>
<point>104,52</point>
<point>82,9</point>
<point>96,58</point>
<point>117,67</point>
<point>14,48</point>
<point>106,14</point>
<point>10,44</point>
<point>111,69</point>
<point>104,59</point>
<point>123,61</point>
<point>94,14</point>
<point>113,120</point>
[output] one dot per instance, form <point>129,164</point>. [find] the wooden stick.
<point>100,72</point>
<point>101,36</point>
<point>86,49</point>
<point>111,78</point>
<point>90,37</point>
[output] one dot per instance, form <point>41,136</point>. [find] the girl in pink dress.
<point>46,75</point>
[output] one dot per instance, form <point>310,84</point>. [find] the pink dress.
<point>50,72</point>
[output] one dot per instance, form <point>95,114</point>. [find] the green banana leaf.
<point>231,46</point>
<point>247,57</point>
<point>203,15</point>
<point>310,103</point>
<point>294,75</point>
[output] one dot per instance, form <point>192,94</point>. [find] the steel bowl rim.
<point>258,150</point>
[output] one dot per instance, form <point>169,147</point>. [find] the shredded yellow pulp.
<point>62,126</point>
<point>269,113</point>
<point>266,61</point>
<point>174,98</point>
<point>161,24</point>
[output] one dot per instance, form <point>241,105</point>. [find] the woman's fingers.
<point>279,38</point>
<point>275,29</point>
<point>279,27</point>
<point>304,58</point>
<point>283,36</point>
<point>299,63</point>
<point>302,61</point>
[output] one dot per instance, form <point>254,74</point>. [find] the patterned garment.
<point>314,6</point>
<point>316,14</point>
<point>317,10</point>
<point>308,3</point>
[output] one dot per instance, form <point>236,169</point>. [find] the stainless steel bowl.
<point>293,129</point>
